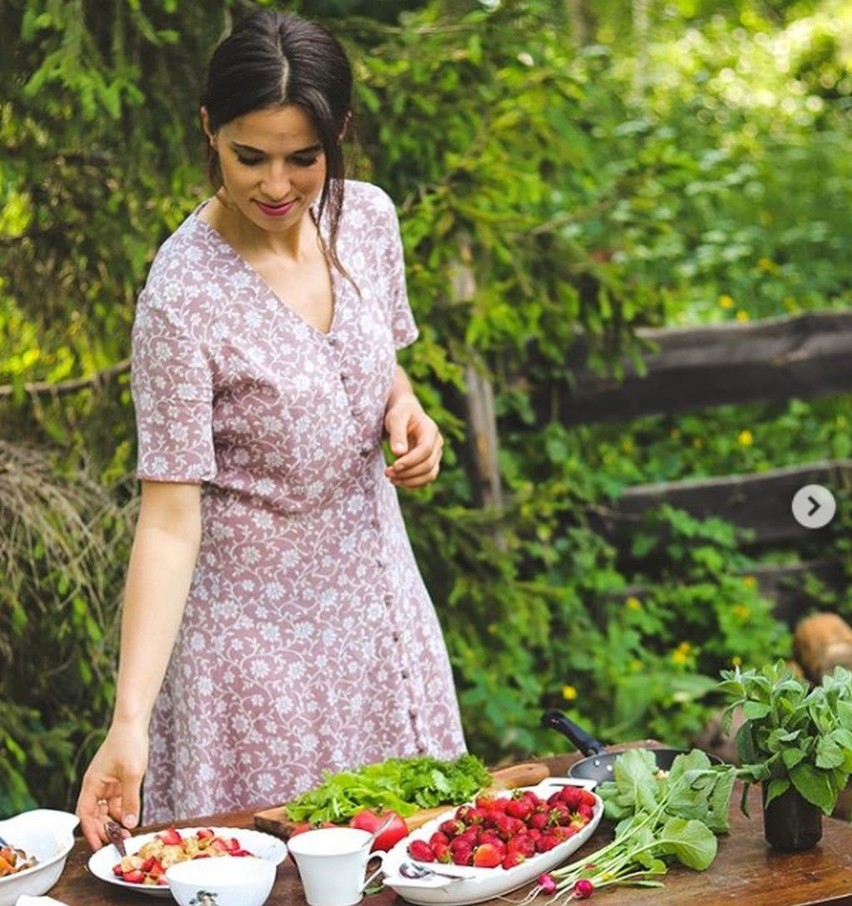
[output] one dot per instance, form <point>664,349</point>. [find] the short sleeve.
<point>171,383</point>
<point>403,325</point>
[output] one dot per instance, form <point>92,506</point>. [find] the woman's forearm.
<point>165,549</point>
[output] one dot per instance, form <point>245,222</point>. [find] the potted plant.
<point>796,741</point>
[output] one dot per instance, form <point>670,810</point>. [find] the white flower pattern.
<point>309,642</point>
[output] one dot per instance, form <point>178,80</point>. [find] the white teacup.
<point>332,862</point>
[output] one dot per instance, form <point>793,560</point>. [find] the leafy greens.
<point>404,785</point>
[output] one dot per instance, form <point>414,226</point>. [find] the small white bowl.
<point>222,881</point>
<point>46,834</point>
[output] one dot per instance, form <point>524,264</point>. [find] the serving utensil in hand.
<point>116,837</point>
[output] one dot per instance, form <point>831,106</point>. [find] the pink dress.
<point>309,642</point>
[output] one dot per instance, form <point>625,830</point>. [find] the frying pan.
<point>598,766</point>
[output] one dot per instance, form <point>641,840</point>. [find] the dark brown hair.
<point>269,59</point>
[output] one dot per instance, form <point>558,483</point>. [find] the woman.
<point>275,624</point>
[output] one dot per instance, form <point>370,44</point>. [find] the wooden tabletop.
<point>746,871</point>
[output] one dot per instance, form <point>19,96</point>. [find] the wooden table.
<point>745,871</point>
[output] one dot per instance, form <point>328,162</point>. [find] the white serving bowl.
<point>46,834</point>
<point>228,881</point>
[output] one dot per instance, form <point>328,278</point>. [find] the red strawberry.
<point>546,843</point>
<point>451,828</point>
<point>588,797</point>
<point>439,837</point>
<point>463,855</point>
<point>487,855</point>
<point>134,877</point>
<point>442,852</point>
<point>523,844</point>
<point>170,837</point>
<point>519,808</point>
<point>539,821</point>
<point>511,859</point>
<point>421,851</point>
<point>572,796</point>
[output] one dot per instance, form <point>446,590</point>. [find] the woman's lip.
<point>275,210</point>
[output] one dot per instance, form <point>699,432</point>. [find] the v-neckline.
<point>247,266</point>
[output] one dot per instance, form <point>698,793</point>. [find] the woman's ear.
<point>205,125</point>
<point>346,120</point>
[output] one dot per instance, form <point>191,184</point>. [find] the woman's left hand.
<point>415,441</point>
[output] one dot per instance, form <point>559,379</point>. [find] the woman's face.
<point>273,166</point>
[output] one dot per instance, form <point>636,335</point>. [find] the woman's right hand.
<point>112,784</point>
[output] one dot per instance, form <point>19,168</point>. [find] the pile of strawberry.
<point>505,831</point>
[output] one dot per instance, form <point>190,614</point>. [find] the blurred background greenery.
<point>562,170</point>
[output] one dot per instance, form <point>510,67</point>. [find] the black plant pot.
<point>790,822</point>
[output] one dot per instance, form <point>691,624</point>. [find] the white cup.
<point>332,862</point>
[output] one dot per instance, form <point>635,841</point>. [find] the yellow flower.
<point>768,265</point>
<point>741,611</point>
<point>749,581</point>
<point>725,301</point>
<point>681,654</point>
<point>736,660</point>
<point>745,438</point>
<point>633,603</point>
<point>742,315</point>
<point>569,693</point>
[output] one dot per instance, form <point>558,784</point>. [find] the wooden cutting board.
<point>275,821</point>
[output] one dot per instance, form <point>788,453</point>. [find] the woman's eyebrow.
<point>248,149</point>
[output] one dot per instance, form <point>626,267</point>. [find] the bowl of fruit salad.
<point>489,847</point>
<point>33,853</point>
<point>150,856</point>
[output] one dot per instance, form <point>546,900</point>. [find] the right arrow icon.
<point>814,506</point>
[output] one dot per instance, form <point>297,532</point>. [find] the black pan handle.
<point>585,742</point>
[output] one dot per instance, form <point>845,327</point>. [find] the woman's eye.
<point>307,160</point>
<point>249,161</point>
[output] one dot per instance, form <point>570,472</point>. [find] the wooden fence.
<point>690,369</point>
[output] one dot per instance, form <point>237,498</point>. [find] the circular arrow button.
<point>814,506</point>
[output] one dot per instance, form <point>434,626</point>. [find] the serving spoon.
<point>415,872</point>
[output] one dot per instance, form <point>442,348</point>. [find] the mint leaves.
<point>793,735</point>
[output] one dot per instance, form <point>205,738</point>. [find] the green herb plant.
<point>403,785</point>
<point>662,818</point>
<point>793,735</point>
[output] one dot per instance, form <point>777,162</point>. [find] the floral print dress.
<point>309,642</point>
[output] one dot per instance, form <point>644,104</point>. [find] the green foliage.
<point>792,734</point>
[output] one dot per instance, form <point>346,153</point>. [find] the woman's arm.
<point>165,547</point>
<point>414,438</point>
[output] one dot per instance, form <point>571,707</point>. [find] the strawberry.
<point>539,821</point>
<point>588,797</point>
<point>519,808</point>
<point>439,837</point>
<point>487,855</point>
<point>134,877</point>
<point>546,843</point>
<point>442,852</point>
<point>452,828</point>
<point>523,844</point>
<point>463,855</point>
<point>204,834</point>
<point>511,859</point>
<point>572,796</point>
<point>421,851</point>
<point>170,837</point>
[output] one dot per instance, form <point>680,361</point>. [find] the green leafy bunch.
<point>402,784</point>
<point>793,735</point>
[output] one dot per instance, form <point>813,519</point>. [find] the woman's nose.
<point>276,182</point>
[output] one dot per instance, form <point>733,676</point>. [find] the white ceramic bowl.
<point>46,834</point>
<point>228,881</point>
